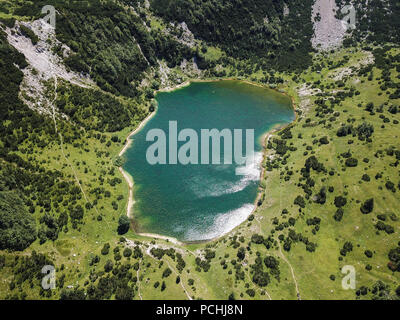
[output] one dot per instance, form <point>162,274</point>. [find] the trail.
<point>291,270</point>
<point>137,275</point>
<point>141,51</point>
<point>130,243</point>
<point>183,287</point>
<point>62,144</point>
<point>280,248</point>
<point>60,136</point>
<point>259,289</point>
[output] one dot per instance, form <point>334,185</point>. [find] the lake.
<point>194,202</point>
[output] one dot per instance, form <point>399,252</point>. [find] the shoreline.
<point>274,130</point>
<point>128,178</point>
<point>161,237</point>
<point>128,140</point>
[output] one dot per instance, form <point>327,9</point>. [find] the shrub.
<point>241,254</point>
<point>300,201</point>
<point>271,262</point>
<point>29,34</point>
<point>365,130</point>
<point>367,206</point>
<point>340,201</point>
<point>256,238</point>
<point>261,278</point>
<point>252,293</point>
<point>108,266</point>
<point>123,224</point>
<point>127,252</point>
<point>347,247</point>
<point>166,273</point>
<point>351,162</point>
<point>338,214</point>
<point>324,140</point>
<point>106,249</point>
<point>366,177</point>
<point>310,247</point>
<point>368,253</point>
<point>390,186</point>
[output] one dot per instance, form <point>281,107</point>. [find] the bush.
<point>119,161</point>
<point>300,201</point>
<point>347,247</point>
<point>261,278</point>
<point>123,224</point>
<point>368,253</point>
<point>365,130</point>
<point>29,34</point>
<point>271,262</point>
<point>106,249</point>
<point>310,247</point>
<point>338,214</point>
<point>166,273</point>
<point>127,252</point>
<point>390,186</point>
<point>351,162</point>
<point>340,201</point>
<point>366,177</point>
<point>252,293</point>
<point>241,254</point>
<point>256,238</point>
<point>367,206</point>
<point>324,140</point>
<point>108,266</point>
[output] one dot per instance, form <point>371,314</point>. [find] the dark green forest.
<point>378,22</point>
<point>248,29</point>
<point>109,43</point>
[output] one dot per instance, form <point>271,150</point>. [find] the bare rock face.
<point>286,10</point>
<point>328,30</point>
<point>41,56</point>
<point>43,64</point>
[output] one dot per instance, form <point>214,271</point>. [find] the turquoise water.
<point>200,202</point>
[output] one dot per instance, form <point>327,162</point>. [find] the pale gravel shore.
<point>179,86</point>
<point>126,176</point>
<point>131,202</point>
<point>158,236</point>
<point>140,127</point>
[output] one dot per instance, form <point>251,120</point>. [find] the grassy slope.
<point>312,270</point>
